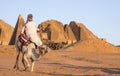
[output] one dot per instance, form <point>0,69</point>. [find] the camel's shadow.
<point>109,71</point>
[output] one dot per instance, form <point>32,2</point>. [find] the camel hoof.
<point>31,71</point>
<point>16,67</point>
<point>25,69</point>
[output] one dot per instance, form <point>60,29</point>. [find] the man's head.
<point>29,17</point>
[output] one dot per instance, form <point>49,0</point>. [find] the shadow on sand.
<point>109,71</point>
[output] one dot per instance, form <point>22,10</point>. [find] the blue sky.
<point>102,17</point>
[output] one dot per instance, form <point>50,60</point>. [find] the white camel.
<point>28,52</point>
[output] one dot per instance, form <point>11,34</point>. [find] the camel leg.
<point>33,62</point>
<point>17,59</point>
<point>25,62</point>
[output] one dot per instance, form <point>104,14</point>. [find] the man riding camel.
<point>25,44</point>
<point>30,29</point>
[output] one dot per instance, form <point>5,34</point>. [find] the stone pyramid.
<point>17,29</point>
<point>6,31</point>
<point>69,34</point>
<point>81,32</point>
<point>54,30</point>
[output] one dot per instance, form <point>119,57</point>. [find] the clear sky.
<point>102,17</point>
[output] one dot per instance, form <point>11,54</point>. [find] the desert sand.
<point>70,61</point>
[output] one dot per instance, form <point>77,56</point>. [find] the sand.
<point>64,62</point>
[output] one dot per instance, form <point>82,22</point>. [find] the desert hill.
<point>6,31</point>
<point>97,45</point>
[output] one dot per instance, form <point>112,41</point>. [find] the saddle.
<point>24,39</point>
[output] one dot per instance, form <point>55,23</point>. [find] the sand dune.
<point>97,45</point>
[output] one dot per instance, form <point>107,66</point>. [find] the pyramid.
<point>81,32</point>
<point>69,34</point>
<point>5,32</point>
<point>53,31</point>
<point>17,30</point>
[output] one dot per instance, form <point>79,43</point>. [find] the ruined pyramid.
<point>81,32</point>
<point>69,35</point>
<point>6,31</point>
<point>54,30</point>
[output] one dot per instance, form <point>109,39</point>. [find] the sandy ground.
<point>64,62</point>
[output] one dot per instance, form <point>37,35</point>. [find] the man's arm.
<point>23,29</point>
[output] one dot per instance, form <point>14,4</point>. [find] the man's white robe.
<point>30,29</point>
